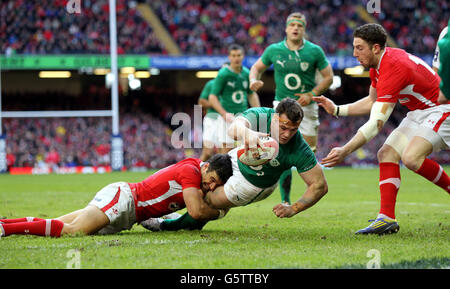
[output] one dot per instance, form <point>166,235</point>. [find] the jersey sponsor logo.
<point>231,83</point>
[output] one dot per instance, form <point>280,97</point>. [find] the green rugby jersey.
<point>294,153</point>
<point>294,71</point>
<point>444,69</point>
<point>206,91</point>
<point>232,89</point>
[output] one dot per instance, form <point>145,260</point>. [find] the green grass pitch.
<point>248,237</point>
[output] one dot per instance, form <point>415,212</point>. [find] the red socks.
<point>26,219</point>
<point>41,227</point>
<point>390,182</point>
<point>433,172</point>
<point>389,185</point>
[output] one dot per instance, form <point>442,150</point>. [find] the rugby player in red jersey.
<point>119,206</point>
<point>396,76</point>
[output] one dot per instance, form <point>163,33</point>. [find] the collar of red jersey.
<point>379,62</point>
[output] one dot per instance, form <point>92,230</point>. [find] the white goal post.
<point>116,139</point>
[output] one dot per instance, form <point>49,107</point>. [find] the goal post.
<point>116,138</point>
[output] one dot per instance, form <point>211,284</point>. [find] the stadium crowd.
<point>207,27</point>
<point>42,27</point>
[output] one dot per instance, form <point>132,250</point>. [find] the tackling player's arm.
<point>317,187</point>
<point>256,71</point>
<point>198,208</point>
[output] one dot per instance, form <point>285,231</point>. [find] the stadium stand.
<point>42,27</point>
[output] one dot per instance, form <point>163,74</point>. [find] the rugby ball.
<point>267,152</point>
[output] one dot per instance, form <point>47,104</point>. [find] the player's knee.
<point>387,154</point>
<point>411,160</point>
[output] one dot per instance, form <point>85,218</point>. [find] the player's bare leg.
<point>87,221</point>
<point>68,218</point>
<point>415,158</point>
<point>416,152</point>
<point>207,151</point>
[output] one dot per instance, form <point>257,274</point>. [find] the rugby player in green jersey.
<point>252,184</point>
<point>295,61</point>
<point>231,94</point>
<point>443,60</point>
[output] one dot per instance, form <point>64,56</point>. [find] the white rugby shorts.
<point>210,132</point>
<point>117,202</point>
<point>433,124</point>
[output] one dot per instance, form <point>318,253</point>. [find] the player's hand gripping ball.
<point>265,152</point>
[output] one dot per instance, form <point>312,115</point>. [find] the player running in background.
<point>396,76</point>
<point>252,184</point>
<point>231,94</point>
<point>120,205</point>
<point>295,62</point>
<point>441,64</point>
<point>210,132</point>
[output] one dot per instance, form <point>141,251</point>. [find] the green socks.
<point>185,222</point>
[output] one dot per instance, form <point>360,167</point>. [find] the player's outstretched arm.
<point>317,187</point>
<point>256,71</point>
<point>360,107</point>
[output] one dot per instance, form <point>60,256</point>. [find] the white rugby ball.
<point>267,152</point>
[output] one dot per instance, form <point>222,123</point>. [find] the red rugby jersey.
<point>162,192</point>
<point>405,78</point>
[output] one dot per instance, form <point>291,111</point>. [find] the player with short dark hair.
<point>396,76</point>
<point>119,206</point>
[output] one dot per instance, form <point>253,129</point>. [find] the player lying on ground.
<point>120,205</point>
<point>396,76</point>
<point>253,184</point>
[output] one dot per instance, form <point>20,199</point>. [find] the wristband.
<point>341,110</point>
